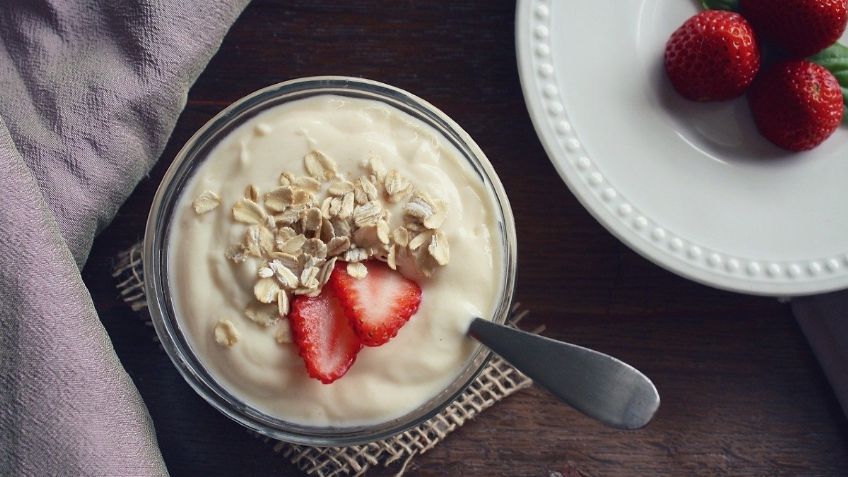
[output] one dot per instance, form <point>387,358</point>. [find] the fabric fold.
<point>824,320</point>
<point>91,92</point>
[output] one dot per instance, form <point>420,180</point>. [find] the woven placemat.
<point>497,381</point>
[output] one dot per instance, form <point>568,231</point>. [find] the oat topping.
<point>278,199</point>
<point>367,213</point>
<point>248,211</point>
<point>297,233</point>
<point>311,220</point>
<point>284,275</point>
<point>265,272</point>
<point>419,240</point>
<point>261,314</point>
<point>286,178</point>
<point>357,270</point>
<point>426,264</point>
<point>414,228</point>
<point>397,186</point>
<point>338,245</point>
<point>293,245</point>
<point>314,247</point>
<point>355,255</point>
<point>376,167</point>
<point>226,333</point>
<point>342,228</point>
<point>205,202</point>
<point>266,290</point>
<point>288,217</point>
<point>326,270</point>
<point>252,193</point>
<point>328,232</point>
<point>283,334</point>
<point>258,241</point>
<point>430,212</point>
<point>383,231</point>
<point>307,183</point>
<point>319,166</point>
<point>282,235</point>
<point>400,236</point>
<point>365,236</point>
<point>283,307</point>
<point>365,191</point>
<point>287,260</point>
<point>235,253</point>
<point>438,248</point>
<point>391,256</point>
<point>347,206</point>
<point>263,129</point>
<point>340,188</point>
<point>309,277</point>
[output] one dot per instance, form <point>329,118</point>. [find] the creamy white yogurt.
<point>428,352</point>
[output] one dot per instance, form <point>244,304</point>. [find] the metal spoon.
<point>595,384</point>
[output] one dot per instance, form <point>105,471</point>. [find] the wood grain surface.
<point>742,393</point>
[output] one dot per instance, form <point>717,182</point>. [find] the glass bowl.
<point>156,265</point>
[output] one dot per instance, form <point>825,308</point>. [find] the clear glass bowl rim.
<point>155,256</point>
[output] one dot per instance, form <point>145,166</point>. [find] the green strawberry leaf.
<point>732,5</point>
<point>835,59</point>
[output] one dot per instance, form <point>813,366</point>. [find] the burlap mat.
<point>497,381</point>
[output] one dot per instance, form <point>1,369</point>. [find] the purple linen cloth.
<point>89,93</point>
<point>824,319</point>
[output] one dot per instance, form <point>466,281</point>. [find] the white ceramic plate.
<point>690,186</point>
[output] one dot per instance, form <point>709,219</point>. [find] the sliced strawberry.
<point>377,305</point>
<point>327,343</point>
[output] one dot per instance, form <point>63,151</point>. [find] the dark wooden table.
<point>742,392</point>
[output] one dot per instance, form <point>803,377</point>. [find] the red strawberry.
<point>377,305</point>
<point>800,27</point>
<point>713,56</point>
<point>327,343</point>
<point>796,104</point>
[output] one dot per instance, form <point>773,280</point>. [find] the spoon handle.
<point>595,384</point>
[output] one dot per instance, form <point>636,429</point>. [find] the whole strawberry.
<point>713,56</point>
<point>799,27</point>
<point>796,104</point>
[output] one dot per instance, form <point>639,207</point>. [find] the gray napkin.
<point>89,93</point>
<point>824,319</point>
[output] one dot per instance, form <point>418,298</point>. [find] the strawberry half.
<point>324,337</point>
<point>713,56</point>
<point>796,104</point>
<point>799,27</point>
<point>377,305</point>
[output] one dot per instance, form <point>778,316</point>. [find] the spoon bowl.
<point>596,384</point>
